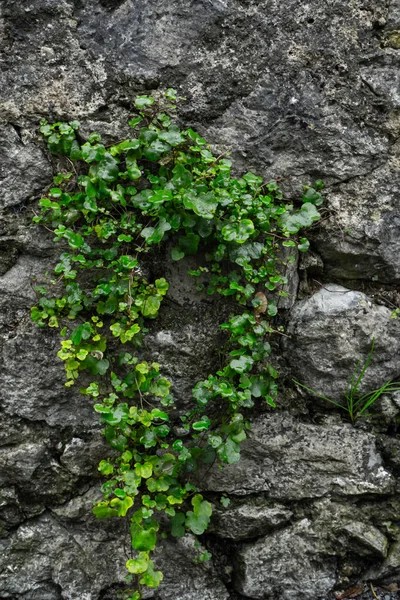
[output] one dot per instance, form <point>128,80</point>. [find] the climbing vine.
<point>162,185</point>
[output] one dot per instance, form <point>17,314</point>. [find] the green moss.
<point>392,39</point>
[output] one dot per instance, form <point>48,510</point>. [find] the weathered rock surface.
<point>296,90</point>
<point>367,539</point>
<point>363,239</point>
<point>290,460</point>
<point>244,520</point>
<point>67,553</point>
<point>184,578</point>
<point>288,564</point>
<point>24,169</point>
<point>331,331</point>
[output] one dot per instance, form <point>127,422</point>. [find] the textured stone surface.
<point>31,375</point>
<point>296,90</point>
<point>24,169</point>
<point>66,553</point>
<point>361,238</point>
<point>290,564</point>
<point>290,460</point>
<point>184,578</point>
<point>240,521</point>
<point>367,539</point>
<point>331,331</point>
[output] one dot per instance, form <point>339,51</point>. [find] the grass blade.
<point>354,387</point>
<point>319,395</point>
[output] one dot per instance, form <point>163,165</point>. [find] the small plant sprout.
<point>355,404</point>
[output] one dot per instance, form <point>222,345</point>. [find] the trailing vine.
<point>120,201</point>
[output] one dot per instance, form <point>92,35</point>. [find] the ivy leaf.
<point>304,245</point>
<point>103,511</point>
<point>161,484</point>
<point>189,243</point>
<point>159,197</point>
<point>88,152</point>
<point>139,564</point>
<point>154,150</point>
<point>201,393</point>
<point>122,505</point>
<point>135,121</point>
<point>229,452</point>
<point>197,139</point>
<point>311,195</point>
<point>172,136</point>
<point>143,539</point>
<point>305,217</point>
<point>202,425</point>
<point>151,306</point>
<point>154,235</point>
<point>142,101</point>
<point>253,180</point>
<point>177,254</point>
<point>161,286</point>
<point>177,522</point>
<point>159,414</point>
<point>171,94</point>
<point>246,252</point>
<point>182,177</point>
<point>149,439</point>
<point>82,332</point>
<point>259,387</point>
<point>127,145</point>
<point>106,169</point>
<point>105,467</point>
<point>238,232</point>
<point>132,167</point>
<point>242,364</point>
<point>151,578</point>
<point>198,519</point>
<point>160,387</point>
<point>215,441</point>
<point>127,262</point>
<point>75,240</point>
<point>90,204</point>
<point>101,367</point>
<point>144,470</point>
<point>203,205</point>
<point>116,415</point>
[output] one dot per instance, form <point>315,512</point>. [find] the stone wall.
<point>296,90</point>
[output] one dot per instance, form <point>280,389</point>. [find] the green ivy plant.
<point>164,184</point>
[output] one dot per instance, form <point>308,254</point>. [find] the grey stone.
<point>185,338</point>
<point>391,451</point>
<point>183,577</point>
<point>70,550</point>
<point>31,376</point>
<point>76,560</point>
<point>80,456</point>
<point>393,17</point>
<point>361,238</point>
<point>290,460</point>
<point>390,568</point>
<point>248,519</point>
<point>290,564</point>
<point>366,539</point>
<point>24,169</point>
<point>331,331</point>
<point>32,382</point>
